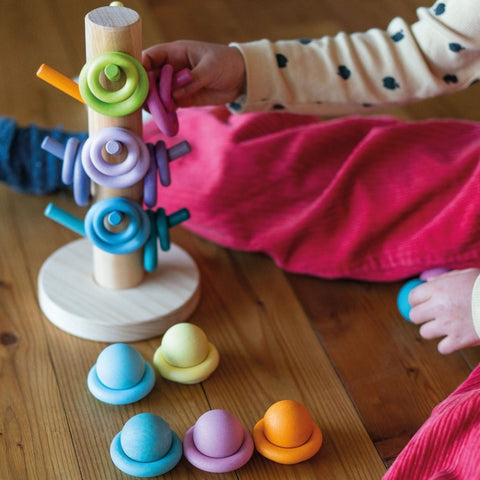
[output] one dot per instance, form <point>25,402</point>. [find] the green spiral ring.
<point>129,98</point>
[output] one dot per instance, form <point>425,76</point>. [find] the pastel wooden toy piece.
<point>136,228</point>
<point>164,222</point>
<point>73,172</point>
<point>150,180</point>
<point>218,442</point>
<point>60,81</point>
<point>85,161</point>
<point>64,218</point>
<point>146,447</point>
<point>287,434</point>
<point>120,375</point>
<point>160,226</point>
<point>99,216</point>
<point>159,100</point>
<point>160,157</point>
<point>403,304</point>
<point>121,144</point>
<point>185,355</point>
<point>164,156</point>
<point>127,240</point>
<point>124,72</point>
<point>432,273</point>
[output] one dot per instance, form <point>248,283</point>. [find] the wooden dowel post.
<point>115,29</point>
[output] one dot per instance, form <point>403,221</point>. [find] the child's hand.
<point>218,70</point>
<point>443,308</point>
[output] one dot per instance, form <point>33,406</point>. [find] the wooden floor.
<point>340,347</point>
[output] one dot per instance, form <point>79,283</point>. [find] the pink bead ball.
<point>218,434</point>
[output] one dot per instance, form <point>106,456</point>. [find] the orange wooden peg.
<point>60,81</point>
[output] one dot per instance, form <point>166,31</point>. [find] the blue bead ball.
<point>146,438</point>
<point>403,305</point>
<point>120,366</point>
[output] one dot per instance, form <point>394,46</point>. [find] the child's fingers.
<point>430,330</point>
<point>153,57</point>
<point>147,61</point>
<point>187,90</point>
<point>420,294</point>
<point>447,346</point>
<point>421,313</point>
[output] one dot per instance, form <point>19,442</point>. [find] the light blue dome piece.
<point>120,376</point>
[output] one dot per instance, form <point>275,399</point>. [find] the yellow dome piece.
<point>185,355</point>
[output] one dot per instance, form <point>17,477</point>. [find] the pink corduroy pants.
<point>447,446</point>
<point>370,198</point>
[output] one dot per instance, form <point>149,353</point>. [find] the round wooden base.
<point>74,302</point>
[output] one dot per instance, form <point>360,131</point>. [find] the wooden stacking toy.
<point>124,281</point>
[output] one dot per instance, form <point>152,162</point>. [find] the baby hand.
<point>218,70</point>
<point>443,308</point>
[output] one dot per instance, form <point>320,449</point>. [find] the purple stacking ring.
<point>71,149</point>
<point>81,181</point>
<point>162,160</point>
<point>150,180</point>
<point>121,175</point>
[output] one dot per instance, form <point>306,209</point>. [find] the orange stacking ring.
<point>287,434</point>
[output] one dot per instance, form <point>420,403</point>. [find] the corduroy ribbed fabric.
<point>370,198</point>
<point>447,446</point>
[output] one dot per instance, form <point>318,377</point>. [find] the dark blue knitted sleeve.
<point>24,165</point>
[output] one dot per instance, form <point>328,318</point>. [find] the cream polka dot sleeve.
<point>476,305</point>
<point>348,73</point>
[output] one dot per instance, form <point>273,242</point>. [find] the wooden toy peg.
<point>60,81</point>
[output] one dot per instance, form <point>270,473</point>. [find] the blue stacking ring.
<point>132,238</point>
<point>150,253</point>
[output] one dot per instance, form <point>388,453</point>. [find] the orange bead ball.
<point>288,424</point>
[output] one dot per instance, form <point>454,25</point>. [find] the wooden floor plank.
<point>394,377</point>
<point>34,430</point>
